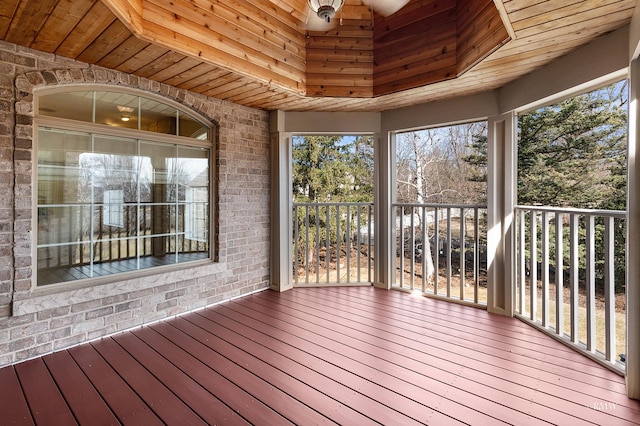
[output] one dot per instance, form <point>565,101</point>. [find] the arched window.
<point>123,184</point>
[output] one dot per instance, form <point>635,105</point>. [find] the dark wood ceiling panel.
<point>144,60</point>
<point>29,17</point>
<point>60,23</point>
<point>105,43</point>
<point>333,66</point>
<point>123,52</point>
<point>94,23</point>
<point>8,10</point>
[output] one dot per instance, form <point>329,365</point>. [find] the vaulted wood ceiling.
<point>260,53</point>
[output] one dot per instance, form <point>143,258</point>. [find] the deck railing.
<point>332,243</point>
<point>454,235</point>
<point>567,283</point>
<point>77,235</point>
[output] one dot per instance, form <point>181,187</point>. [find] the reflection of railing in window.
<point>66,239</point>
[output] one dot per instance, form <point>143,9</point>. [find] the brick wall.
<point>33,322</point>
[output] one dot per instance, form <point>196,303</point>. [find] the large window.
<point>117,197</point>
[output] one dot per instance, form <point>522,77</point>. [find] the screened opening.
<point>332,192</point>
<point>108,203</point>
<point>571,219</point>
<point>440,211</point>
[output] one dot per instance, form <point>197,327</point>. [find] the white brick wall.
<point>33,323</point>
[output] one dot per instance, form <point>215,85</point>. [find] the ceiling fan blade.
<point>386,7</point>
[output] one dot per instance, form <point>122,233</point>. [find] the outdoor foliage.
<point>330,169</point>
<point>433,167</point>
<point>573,154</point>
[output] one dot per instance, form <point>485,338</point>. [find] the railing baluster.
<point>306,245</point>
<point>609,290</point>
<point>591,283</point>
<point>401,248</point>
<point>521,262</point>
<point>448,251</point>
<point>296,248</point>
<point>462,254</point>
<point>574,276</point>
<point>545,269</point>
<point>327,210</point>
<point>436,258</point>
<point>338,243</point>
<point>425,241</point>
<point>317,243</point>
<point>559,276</point>
<point>412,250</point>
<point>369,233</point>
<point>358,243</point>
<point>348,242</point>
<point>476,253</point>
<point>533,267</point>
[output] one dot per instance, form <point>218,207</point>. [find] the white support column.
<point>633,236</point>
<point>501,200</point>
<point>281,233</point>
<point>384,154</point>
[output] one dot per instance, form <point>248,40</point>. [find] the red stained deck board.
<point>297,386</point>
<point>124,402</point>
<point>13,406</point>
<point>423,399</point>
<point>536,365</point>
<point>355,355</point>
<point>202,402</point>
<point>552,357</point>
<point>237,387</point>
<point>161,400</point>
<point>345,373</point>
<point>42,394</point>
<point>389,366</point>
<point>333,323</point>
<point>451,344</point>
<point>345,390</point>
<point>83,399</point>
<point>520,337</point>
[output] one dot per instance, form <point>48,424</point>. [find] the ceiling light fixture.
<point>125,118</point>
<point>325,9</point>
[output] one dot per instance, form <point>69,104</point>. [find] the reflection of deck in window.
<point>113,211</point>
<point>196,214</point>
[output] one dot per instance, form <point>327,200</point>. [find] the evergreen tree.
<point>325,169</point>
<point>572,154</point>
<point>567,152</point>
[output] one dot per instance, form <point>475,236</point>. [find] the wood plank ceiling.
<point>261,53</point>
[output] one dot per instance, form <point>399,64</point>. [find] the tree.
<point>330,169</point>
<point>326,168</point>
<point>557,144</point>
<point>431,168</point>
<point>573,154</point>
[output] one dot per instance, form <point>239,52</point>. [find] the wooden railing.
<point>451,238</point>
<point>332,243</point>
<point>570,277</point>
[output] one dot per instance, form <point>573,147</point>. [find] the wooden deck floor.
<point>318,356</point>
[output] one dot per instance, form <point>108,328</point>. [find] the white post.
<point>633,237</point>
<point>501,200</point>
<point>281,205</point>
<point>384,190</point>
